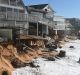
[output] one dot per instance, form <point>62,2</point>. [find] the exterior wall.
<point>37,14</point>
<point>6,34</point>
<point>7,23</point>
<point>50,16</point>
<point>50,13</point>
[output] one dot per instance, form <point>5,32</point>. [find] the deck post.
<point>9,2</point>
<point>37,28</point>
<point>56,34</point>
<point>47,31</point>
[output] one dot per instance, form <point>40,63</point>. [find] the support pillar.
<point>26,26</point>
<point>56,32</point>
<point>47,30</point>
<point>9,2</point>
<point>56,35</point>
<point>15,23</point>
<point>37,28</point>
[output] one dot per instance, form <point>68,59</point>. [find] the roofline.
<point>51,8</point>
<point>43,8</point>
<point>23,3</point>
<point>36,4</point>
<point>37,10</point>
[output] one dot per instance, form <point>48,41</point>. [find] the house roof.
<point>37,8</point>
<point>22,3</point>
<point>29,9</point>
<point>40,6</point>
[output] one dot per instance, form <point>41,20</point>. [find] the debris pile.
<point>71,47</point>
<point>62,53</point>
<point>13,56</point>
<point>18,55</point>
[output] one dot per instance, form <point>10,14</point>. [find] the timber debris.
<point>18,55</point>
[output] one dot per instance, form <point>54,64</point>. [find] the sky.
<point>66,8</point>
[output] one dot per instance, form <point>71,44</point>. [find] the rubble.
<point>31,64</point>
<point>62,54</point>
<point>51,58</point>
<point>4,71</point>
<point>51,46</point>
<point>79,60</point>
<point>21,54</point>
<point>71,47</point>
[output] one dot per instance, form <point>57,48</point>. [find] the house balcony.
<point>58,27</point>
<point>12,16</point>
<point>10,3</point>
<point>2,15</point>
<point>33,18</point>
<point>47,22</point>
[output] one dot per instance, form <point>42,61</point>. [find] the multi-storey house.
<point>17,19</point>
<point>75,28</point>
<point>69,27</point>
<point>13,19</point>
<point>41,19</point>
<point>59,25</point>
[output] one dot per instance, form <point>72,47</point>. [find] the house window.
<point>21,11</point>
<point>55,23</point>
<point>4,1</point>
<point>2,9</point>
<point>13,2</point>
<point>9,9</point>
<point>45,9</point>
<point>15,10</point>
<point>19,3</point>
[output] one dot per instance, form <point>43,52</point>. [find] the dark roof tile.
<point>40,6</point>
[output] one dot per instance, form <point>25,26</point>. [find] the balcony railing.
<point>59,27</point>
<point>24,17</point>
<point>16,16</point>
<point>13,16</point>
<point>33,18</point>
<point>2,15</point>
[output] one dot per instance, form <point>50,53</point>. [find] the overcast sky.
<point>66,8</point>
